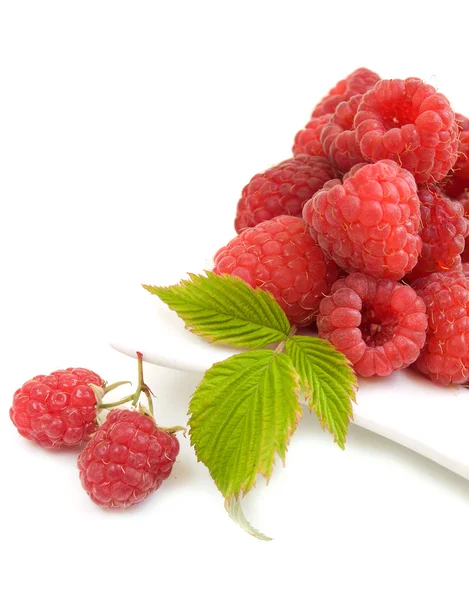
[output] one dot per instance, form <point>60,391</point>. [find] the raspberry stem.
<point>142,386</point>
<point>281,346</point>
<point>134,398</point>
<point>103,405</point>
<point>173,430</point>
<point>113,386</point>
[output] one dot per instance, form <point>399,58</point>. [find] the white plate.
<point>404,407</point>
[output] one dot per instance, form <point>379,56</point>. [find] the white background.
<point>127,130</point>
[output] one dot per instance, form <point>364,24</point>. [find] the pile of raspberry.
<point>362,232</point>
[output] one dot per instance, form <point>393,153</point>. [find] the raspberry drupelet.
<point>409,122</point>
<point>337,138</point>
<point>353,170</point>
<point>58,409</point>
<point>379,325</point>
<point>281,190</point>
<point>308,140</point>
<point>369,223</point>
<point>358,82</point>
<point>445,356</point>
<point>444,231</point>
<point>280,257</point>
<point>458,179</point>
<point>127,459</point>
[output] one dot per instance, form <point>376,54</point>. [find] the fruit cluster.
<point>125,459</point>
<point>363,231</point>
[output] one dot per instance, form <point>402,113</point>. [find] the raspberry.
<point>358,82</point>
<point>445,356</point>
<point>370,222</point>
<point>463,199</point>
<point>408,121</point>
<point>126,460</point>
<point>338,139</point>
<point>379,325</point>
<point>458,182</point>
<point>353,170</point>
<point>443,233</point>
<point>281,257</point>
<point>58,409</point>
<point>462,121</point>
<point>281,190</point>
<point>465,268</point>
<point>308,140</point>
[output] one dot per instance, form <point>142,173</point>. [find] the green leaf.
<point>225,309</point>
<point>242,414</point>
<point>235,510</point>
<point>329,381</point>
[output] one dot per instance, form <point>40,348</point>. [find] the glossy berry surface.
<point>338,138</point>
<point>458,179</point>
<point>445,356</point>
<point>58,409</point>
<point>358,82</point>
<point>410,122</point>
<point>370,223</point>
<point>463,199</point>
<point>444,230</point>
<point>308,140</point>
<point>127,459</point>
<point>281,257</point>
<point>281,190</point>
<point>379,325</point>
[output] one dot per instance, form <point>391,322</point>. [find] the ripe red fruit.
<point>444,231</point>
<point>462,121</point>
<point>458,180</point>
<point>58,409</point>
<point>445,356</point>
<point>126,460</point>
<point>409,122</point>
<point>281,190</point>
<point>308,140</point>
<point>379,325</point>
<point>370,223</point>
<point>357,82</point>
<point>281,257</point>
<point>338,138</point>
<point>353,170</point>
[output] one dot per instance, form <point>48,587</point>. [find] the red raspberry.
<point>338,139</point>
<point>379,325</point>
<point>443,233</point>
<point>462,121</point>
<point>465,268</point>
<point>308,140</point>
<point>458,182</point>
<point>408,121</point>
<point>353,170</point>
<point>358,82</point>
<point>463,199</point>
<point>370,223</point>
<point>126,460</point>
<point>281,257</point>
<point>445,357</point>
<point>58,409</point>
<point>281,190</point>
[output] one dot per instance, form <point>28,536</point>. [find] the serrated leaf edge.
<point>279,326</point>
<point>308,387</point>
<point>266,474</point>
